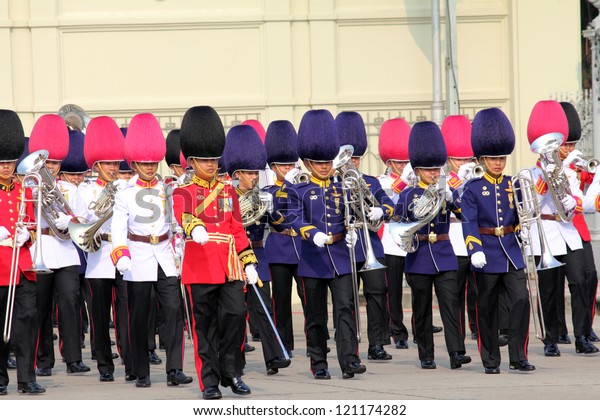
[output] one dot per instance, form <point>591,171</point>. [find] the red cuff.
<point>118,253</point>
<point>578,206</point>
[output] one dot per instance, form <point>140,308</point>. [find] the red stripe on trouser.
<point>197,359</point>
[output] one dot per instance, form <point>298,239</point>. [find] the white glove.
<point>550,168</point>
<point>569,202</point>
<point>478,259</point>
<point>251,274</point>
<point>200,235</point>
<point>449,196</point>
<point>465,172</point>
<point>267,199</point>
<point>22,235</point>
<point>320,239</point>
<point>62,221</point>
<point>4,233</point>
<point>289,177</point>
<point>120,184</point>
<point>572,157</point>
<point>375,214</point>
<point>407,174</point>
<point>351,238</point>
<point>124,264</point>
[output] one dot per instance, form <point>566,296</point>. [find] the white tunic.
<point>389,246</point>
<point>141,211</point>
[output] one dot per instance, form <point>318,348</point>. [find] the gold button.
<point>497,187</point>
<point>11,210</point>
<point>247,232</point>
<point>327,206</point>
<point>329,215</point>
<point>9,202</point>
<point>498,194</point>
<point>218,224</point>
<point>432,224</point>
<point>328,224</point>
<point>12,220</point>
<point>499,202</point>
<point>500,218</point>
<point>499,210</point>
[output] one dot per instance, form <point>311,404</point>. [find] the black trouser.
<point>315,313</point>
<point>465,284</point>
<point>219,325</point>
<point>86,308</point>
<point>102,292</point>
<point>139,300</point>
<point>447,296</point>
<point>282,278</point>
<point>394,275</point>
<point>375,291</point>
<point>270,345</point>
<point>489,289</point>
<point>65,282</point>
<point>549,286</point>
<point>154,319</point>
<point>24,331</point>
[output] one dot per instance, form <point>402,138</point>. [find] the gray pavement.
<point>569,377</point>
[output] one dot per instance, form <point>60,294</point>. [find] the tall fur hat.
<point>50,133</point>
<point>547,117</point>
<point>173,148</point>
<point>573,121</point>
<point>351,130</point>
<point>12,136</point>
<point>145,141</point>
<point>202,134</point>
<point>492,134</point>
<point>75,161</point>
<point>393,140</point>
<point>426,147</point>
<point>456,130</point>
<point>244,150</point>
<point>281,142</point>
<point>124,166</point>
<point>258,127</point>
<point>104,141</point>
<point>317,136</point>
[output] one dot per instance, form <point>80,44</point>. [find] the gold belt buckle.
<point>499,231</point>
<point>557,218</point>
<point>153,239</point>
<point>432,237</point>
<point>329,239</point>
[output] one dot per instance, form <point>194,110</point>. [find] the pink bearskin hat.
<point>258,127</point>
<point>50,133</point>
<point>145,141</point>
<point>456,130</point>
<point>393,140</point>
<point>104,141</point>
<point>547,117</point>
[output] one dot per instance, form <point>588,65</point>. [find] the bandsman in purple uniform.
<point>24,332</point>
<point>432,263</point>
<point>317,213</point>
<point>351,130</point>
<point>490,220</point>
<point>60,255</point>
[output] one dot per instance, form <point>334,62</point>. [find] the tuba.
<point>52,201</point>
<point>75,117</point>
<point>528,210</point>
<point>253,205</point>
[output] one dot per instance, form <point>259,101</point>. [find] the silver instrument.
<point>587,165</point>
<point>75,117</point>
<point>253,205</point>
<point>301,177</point>
<point>528,210</point>
<point>478,171</point>
<point>273,327</point>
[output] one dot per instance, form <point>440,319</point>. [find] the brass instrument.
<point>587,165</point>
<point>52,201</point>
<point>547,146</point>
<point>30,181</point>
<point>75,117</point>
<point>528,210</point>
<point>478,171</point>
<point>301,177</point>
<point>253,205</point>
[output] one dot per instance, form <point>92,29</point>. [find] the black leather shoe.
<point>583,346</point>
<point>503,340</point>
<point>177,377</point>
<point>457,360</point>
<point>153,358</point>
<point>130,377</point>
<point>43,371</point>
<point>143,382</point>
<point>30,388</point>
<point>437,329</point>
<point>353,368</point>
<point>3,390</point>
<point>593,337</point>
<point>256,337</point>
<point>277,363</point>
<point>377,352</point>
<point>237,386</point>
<point>522,365</point>
<point>11,363</point>
<point>564,339</point>
<point>77,367</point>
<point>551,350</point>
<point>248,348</point>
<point>321,374</point>
<point>428,364</point>
<point>115,356</point>
<point>107,377</point>
<point>494,370</point>
<point>402,344</point>
<point>211,393</point>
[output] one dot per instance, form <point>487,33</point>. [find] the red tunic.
<point>10,199</point>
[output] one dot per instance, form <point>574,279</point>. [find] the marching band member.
<point>317,212</point>
<point>142,251</point>
<point>50,133</point>
<point>125,172</point>
<point>393,150</point>
<point>351,130</point>
<point>563,239</point>
<point>216,259</point>
<point>283,242</point>
<point>456,130</point>
<point>24,330</point>
<point>490,221</point>
<point>173,155</point>
<point>433,262</point>
<point>103,151</point>
<point>245,156</point>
